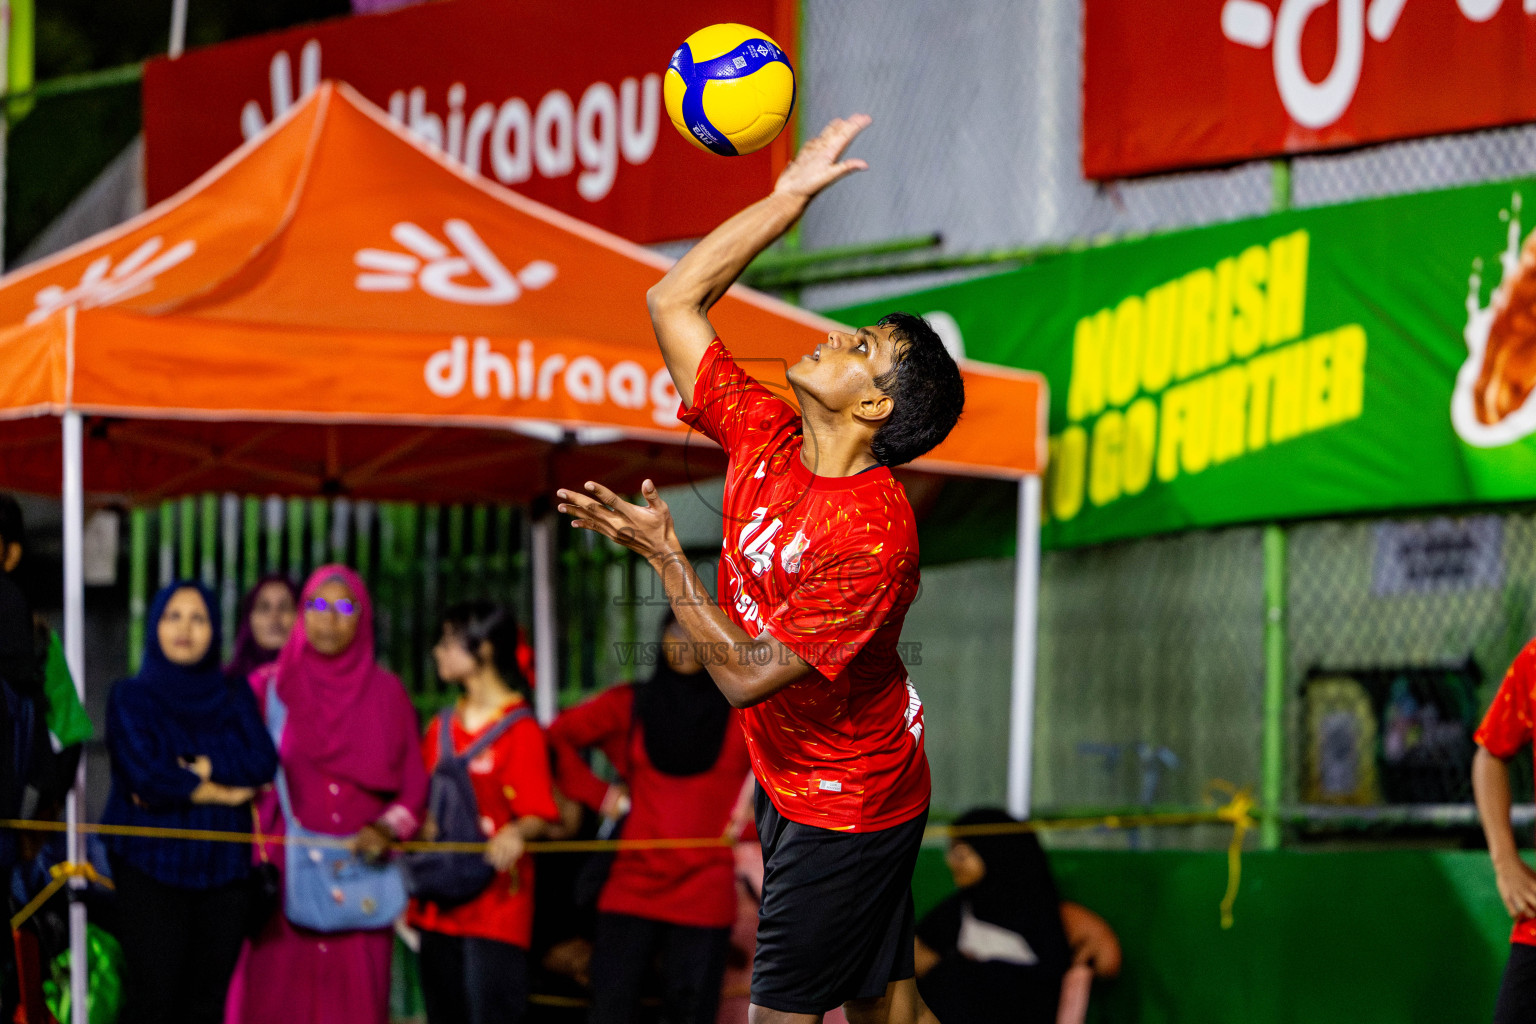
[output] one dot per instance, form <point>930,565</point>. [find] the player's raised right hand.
<point>819,162</point>
<point>644,529</point>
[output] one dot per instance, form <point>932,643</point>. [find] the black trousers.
<point>692,966</point>
<point>472,981</point>
<point>9,992</point>
<point>1517,992</point>
<point>179,947</point>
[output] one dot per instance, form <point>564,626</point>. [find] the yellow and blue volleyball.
<point>729,89</point>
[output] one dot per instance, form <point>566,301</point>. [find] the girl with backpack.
<point>476,922</point>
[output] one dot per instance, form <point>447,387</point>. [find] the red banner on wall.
<point>559,101</point>
<point>1201,82</point>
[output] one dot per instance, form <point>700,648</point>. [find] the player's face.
<point>840,372</point>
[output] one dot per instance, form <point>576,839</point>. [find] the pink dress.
<point>291,976</point>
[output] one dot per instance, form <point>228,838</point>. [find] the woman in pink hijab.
<point>354,768</point>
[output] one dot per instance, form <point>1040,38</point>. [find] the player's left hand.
<point>644,529</point>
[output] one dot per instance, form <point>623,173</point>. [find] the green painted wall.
<point>1399,937</point>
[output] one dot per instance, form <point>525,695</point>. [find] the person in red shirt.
<point>474,966</point>
<point>1506,728</point>
<point>817,570</point>
<point>674,742</point>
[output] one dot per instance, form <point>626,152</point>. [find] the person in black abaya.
<point>682,760</point>
<point>26,758</point>
<point>999,947</point>
<point>189,749</point>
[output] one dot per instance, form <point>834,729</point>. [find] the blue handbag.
<point>327,889</point>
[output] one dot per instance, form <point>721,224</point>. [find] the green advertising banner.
<point>1365,357</point>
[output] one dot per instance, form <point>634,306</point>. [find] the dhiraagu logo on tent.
<point>530,376</point>
<point>462,269</point>
<point>104,281</point>
<point>1198,372</point>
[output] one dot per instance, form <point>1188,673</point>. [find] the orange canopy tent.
<point>334,309</point>
<point>315,312</point>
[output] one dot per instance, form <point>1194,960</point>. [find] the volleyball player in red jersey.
<point>817,570</point>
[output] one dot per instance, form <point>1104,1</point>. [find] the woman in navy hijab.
<point>189,748</point>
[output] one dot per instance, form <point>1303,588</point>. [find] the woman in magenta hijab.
<point>350,754</point>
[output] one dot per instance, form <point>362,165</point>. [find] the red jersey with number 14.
<point>1509,725</point>
<point>828,567</point>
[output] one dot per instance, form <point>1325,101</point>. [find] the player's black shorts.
<point>1517,992</point>
<point>836,918</point>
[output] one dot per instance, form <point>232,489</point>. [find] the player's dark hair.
<point>925,389</point>
<point>475,622</point>
<point>12,527</point>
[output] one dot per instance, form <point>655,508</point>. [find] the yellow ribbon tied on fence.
<point>1238,812</point>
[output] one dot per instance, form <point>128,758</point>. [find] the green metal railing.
<point>1275,649</point>
<point>85,81</point>
<point>1273,758</point>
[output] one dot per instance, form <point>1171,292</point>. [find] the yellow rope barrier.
<point>562,1002</point>
<point>61,873</point>
<point>21,916</point>
<point>345,842</point>
<point>1237,812</point>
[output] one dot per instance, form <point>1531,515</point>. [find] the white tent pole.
<point>74,655</point>
<point>546,700</point>
<point>178,29</point>
<point>1026,583</point>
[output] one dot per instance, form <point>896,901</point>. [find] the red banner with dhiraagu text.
<point>1202,82</point>
<point>560,101</point>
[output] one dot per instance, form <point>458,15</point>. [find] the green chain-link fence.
<point>1151,677</point>
<point>1398,633</point>
<point>416,559</point>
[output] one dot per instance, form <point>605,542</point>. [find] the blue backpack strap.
<point>445,736</point>
<point>495,732</point>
